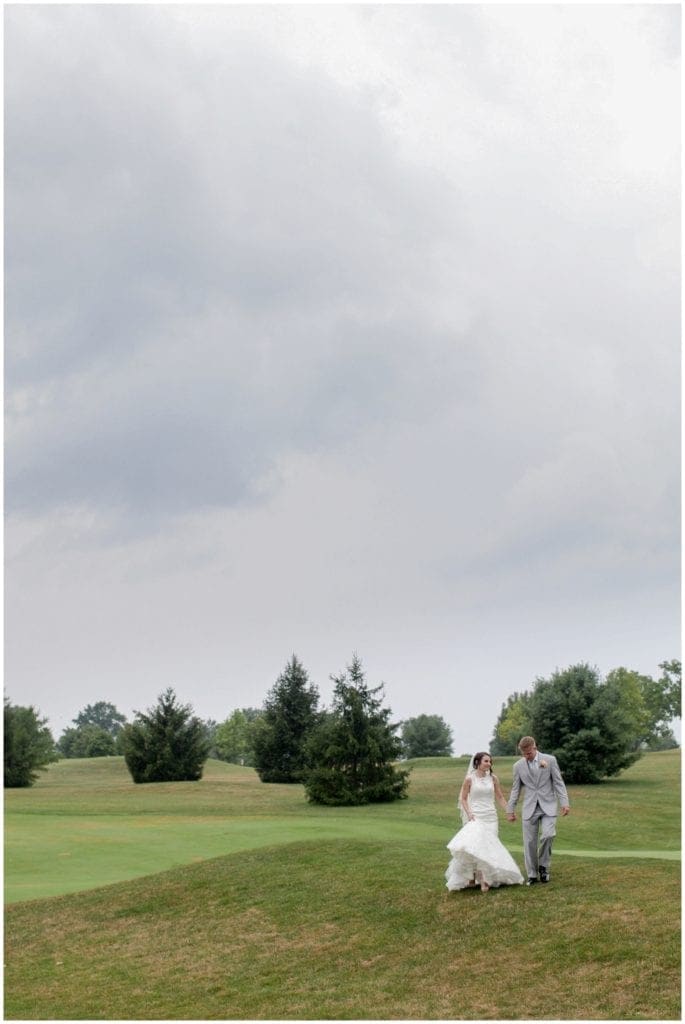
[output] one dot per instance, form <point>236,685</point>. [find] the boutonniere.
<point>543,764</point>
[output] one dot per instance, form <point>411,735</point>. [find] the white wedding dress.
<point>476,846</point>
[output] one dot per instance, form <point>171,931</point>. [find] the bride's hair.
<point>477,758</point>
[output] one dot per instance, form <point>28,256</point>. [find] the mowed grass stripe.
<point>77,855</point>
<point>100,852</point>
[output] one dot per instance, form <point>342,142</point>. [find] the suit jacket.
<point>541,785</point>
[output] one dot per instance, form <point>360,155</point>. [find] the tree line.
<point>595,727</point>
<point>351,753</point>
<point>346,754</point>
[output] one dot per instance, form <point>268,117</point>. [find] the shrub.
<point>167,744</point>
<point>29,746</point>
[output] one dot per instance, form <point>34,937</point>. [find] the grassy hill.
<point>275,909</point>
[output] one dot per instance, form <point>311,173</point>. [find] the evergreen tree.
<point>167,744</point>
<point>280,733</point>
<point>426,736</point>
<point>28,745</point>
<point>352,750</point>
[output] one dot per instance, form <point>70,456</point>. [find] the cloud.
<point>350,326</point>
<point>206,268</point>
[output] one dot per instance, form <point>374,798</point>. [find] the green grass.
<point>314,913</point>
<point>85,824</point>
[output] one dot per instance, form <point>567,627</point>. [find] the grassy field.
<point>274,909</point>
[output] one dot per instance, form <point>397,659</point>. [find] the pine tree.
<point>280,733</point>
<point>352,750</point>
<point>167,744</point>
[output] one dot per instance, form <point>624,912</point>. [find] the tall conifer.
<point>289,715</point>
<point>353,749</point>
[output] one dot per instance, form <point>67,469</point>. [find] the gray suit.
<point>542,786</point>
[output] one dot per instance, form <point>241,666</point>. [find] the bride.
<point>477,854</point>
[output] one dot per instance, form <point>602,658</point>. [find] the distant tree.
<point>665,740</point>
<point>426,736</point>
<point>352,749</point>
<point>289,715</point>
<point>234,738</point>
<point>644,696</point>
<point>28,745</point>
<point>663,697</point>
<point>96,732</point>
<point>512,724</point>
<point>671,681</point>
<point>103,715</point>
<point>166,744</point>
<point>210,727</point>
<point>662,702</point>
<point>590,726</point>
<point>87,741</point>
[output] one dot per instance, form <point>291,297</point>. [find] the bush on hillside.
<point>167,744</point>
<point>29,746</point>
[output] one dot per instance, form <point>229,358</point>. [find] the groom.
<point>542,786</point>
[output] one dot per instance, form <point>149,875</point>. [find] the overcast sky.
<point>336,329</point>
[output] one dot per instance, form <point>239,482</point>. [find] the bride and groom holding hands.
<point>478,856</point>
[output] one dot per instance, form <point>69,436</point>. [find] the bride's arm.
<point>464,797</point>
<point>499,795</point>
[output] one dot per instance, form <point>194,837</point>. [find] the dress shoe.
<point>544,875</point>
<point>532,881</point>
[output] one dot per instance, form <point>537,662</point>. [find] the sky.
<point>336,329</point>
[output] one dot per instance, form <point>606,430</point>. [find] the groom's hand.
<point>511,817</point>
<point>565,811</point>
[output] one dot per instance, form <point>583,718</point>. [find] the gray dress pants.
<point>538,833</point>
